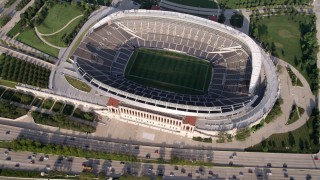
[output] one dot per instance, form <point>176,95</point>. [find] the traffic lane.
<point>144,168</point>
<point>257,159</point>
<point>224,160</point>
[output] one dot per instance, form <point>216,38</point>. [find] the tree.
<point>221,18</point>
<point>292,141</point>
<point>237,20</point>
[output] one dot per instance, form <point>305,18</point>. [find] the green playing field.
<point>169,71</point>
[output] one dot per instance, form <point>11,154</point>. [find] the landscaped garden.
<point>57,107</point>
<point>30,38</point>
<point>61,121</point>
<point>68,109</point>
<point>293,41</point>
<point>88,116</point>
<point>8,110</point>
<point>8,94</point>
<point>78,84</point>
<point>16,70</point>
<point>50,17</point>
<point>22,98</point>
<point>302,140</point>
<point>47,104</point>
<point>37,102</point>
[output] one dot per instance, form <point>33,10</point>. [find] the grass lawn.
<point>57,107</point>
<point>78,84</point>
<point>302,140</point>
<point>30,38</point>
<point>294,116</point>
<point>8,83</point>
<point>197,3</point>
<point>47,104</point>
<point>58,16</point>
<point>174,71</point>
<point>56,39</point>
<point>286,37</point>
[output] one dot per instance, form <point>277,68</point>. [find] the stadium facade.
<point>243,87</point>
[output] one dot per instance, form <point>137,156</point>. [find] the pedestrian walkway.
<point>65,26</point>
<point>15,19</point>
<point>46,42</point>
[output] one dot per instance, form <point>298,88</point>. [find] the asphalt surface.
<point>74,165</point>
<point>249,159</point>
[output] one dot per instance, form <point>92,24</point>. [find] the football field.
<point>169,71</point>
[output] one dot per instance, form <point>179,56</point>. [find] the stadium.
<point>177,72</point>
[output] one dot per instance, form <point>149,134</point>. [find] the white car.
<point>171,174</point>
<point>46,157</point>
<point>48,167</point>
<point>269,173</point>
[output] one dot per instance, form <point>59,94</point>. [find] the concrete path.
<point>12,9</point>
<point>65,26</point>
<point>56,76</point>
<point>43,40</point>
<point>16,17</point>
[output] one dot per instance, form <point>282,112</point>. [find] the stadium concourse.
<point>243,83</point>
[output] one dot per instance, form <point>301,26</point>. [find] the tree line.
<point>61,121</point>
<point>38,147</point>
<point>234,4</point>
<point>22,4</point>
<point>17,70</point>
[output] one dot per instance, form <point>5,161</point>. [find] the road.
<point>252,159</point>
<point>73,165</point>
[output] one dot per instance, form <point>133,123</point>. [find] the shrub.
<point>242,134</point>
<point>60,120</point>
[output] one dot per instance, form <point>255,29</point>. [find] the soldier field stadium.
<point>177,73</point>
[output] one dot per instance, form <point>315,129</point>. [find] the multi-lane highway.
<point>74,165</point>
<point>302,162</point>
